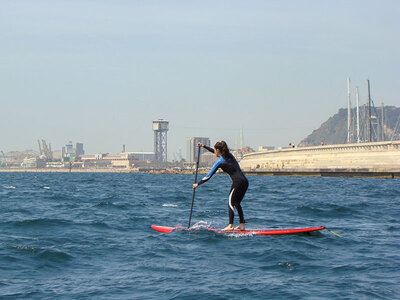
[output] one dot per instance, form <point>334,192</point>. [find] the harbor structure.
<point>357,159</point>
<point>160,128</point>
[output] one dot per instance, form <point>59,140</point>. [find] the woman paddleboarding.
<point>228,164</point>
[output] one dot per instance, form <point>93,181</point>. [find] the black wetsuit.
<point>239,183</point>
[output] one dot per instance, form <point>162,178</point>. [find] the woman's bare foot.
<point>228,228</point>
<point>240,227</point>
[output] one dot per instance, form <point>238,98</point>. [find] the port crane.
<point>45,150</point>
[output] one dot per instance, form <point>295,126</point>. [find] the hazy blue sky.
<point>99,72</point>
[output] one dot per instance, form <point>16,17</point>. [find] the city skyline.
<point>100,73</point>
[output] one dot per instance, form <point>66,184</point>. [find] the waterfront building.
<point>57,155</point>
<point>192,147</point>
<point>106,160</point>
<point>208,159</point>
<point>69,149</point>
<point>144,156</point>
<point>33,162</point>
<point>79,149</point>
<point>69,152</point>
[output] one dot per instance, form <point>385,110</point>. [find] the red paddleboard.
<point>165,229</point>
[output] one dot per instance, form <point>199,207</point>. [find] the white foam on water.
<point>8,186</point>
<point>19,237</point>
<point>201,225</point>
<point>237,235</point>
<point>169,205</point>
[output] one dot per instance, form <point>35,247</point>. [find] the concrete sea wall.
<point>106,170</point>
<point>379,159</point>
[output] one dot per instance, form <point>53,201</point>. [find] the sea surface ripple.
<point>88,236</point>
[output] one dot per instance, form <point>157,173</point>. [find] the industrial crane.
<point>45,150</point>
<point>40,148</point>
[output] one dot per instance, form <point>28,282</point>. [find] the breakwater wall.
<point>378,159</point>
<point>105,170</point>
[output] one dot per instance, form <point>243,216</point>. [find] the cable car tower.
<point>160,128</point>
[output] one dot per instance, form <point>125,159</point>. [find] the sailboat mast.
<point>369,112</point>
<point>241,138</point>
<point>348,112</point>
<point>358,115</point>
<point>383,123</point>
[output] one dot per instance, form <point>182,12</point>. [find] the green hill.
<point>334,130</point>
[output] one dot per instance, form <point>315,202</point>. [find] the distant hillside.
<point>334,130</point>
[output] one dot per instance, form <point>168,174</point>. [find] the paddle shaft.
<point>195,181</point>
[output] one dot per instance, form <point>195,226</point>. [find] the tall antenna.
<point>358,115</point>
<point>348,112</point>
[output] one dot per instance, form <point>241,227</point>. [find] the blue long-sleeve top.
<point>228,165</point>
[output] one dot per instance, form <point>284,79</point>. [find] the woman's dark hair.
<point>223,147</point>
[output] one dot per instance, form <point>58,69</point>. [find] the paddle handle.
<point>195,181</point>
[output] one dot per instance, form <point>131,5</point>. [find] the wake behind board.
<point>165,229</point>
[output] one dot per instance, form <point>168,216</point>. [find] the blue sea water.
<point>88,236</point>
